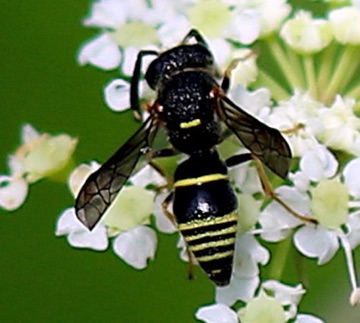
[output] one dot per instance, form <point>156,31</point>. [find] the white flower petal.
<point>352,177</point>
<point>16,166</point>
<point>300,180</point>
<point>272,14</point>
<point>221,50</point>
<point>316,242</point>
<point>67,223</point>
<point>184,256</point>
<point>318,164</point>
<point>79,175</point>
<point>245,27</point>
<point>101,52</point>
<point>106,13</point>
<point>136,246</point>
<point>28,133</point>
<point>13,192</point>
<point>116,95</point>
<point>163,223</point>
<point>248,211</point>
<point>129,58</point>
<point>307,318</point>
<point>217,313</point>
<point>171,33</point>
<point>345,23</point>
<point>146,176</point>
<point>353,225</point>
<point>276,221</point>
<point>249,253</point>
<point>77,235</point>
<point>95,239</point>
<point>239,289</point>
<point>305,34</point>
<point>284,293</point>
<point>246,179</point>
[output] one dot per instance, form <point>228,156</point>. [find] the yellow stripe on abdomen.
<point>216,256</point>
<point>211,220</point>
<point>212,244</point>
<point>211,234</point>
<point>200,180</point>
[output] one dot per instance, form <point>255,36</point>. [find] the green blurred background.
<point>41,277</point>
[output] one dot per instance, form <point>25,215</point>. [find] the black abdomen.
<point>207,218</point>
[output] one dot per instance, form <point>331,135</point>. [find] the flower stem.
<point>349,258</point>
<point>283,62</point>
<point>340,73</point>
<point>278,93</point>
<point>279,259</point>
<point>310,76</point>
<point>326,68</point>
<point>296,66</point>
<point>354,92</point>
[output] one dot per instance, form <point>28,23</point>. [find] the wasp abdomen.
<point>213,245</point>
<point>205,210</point>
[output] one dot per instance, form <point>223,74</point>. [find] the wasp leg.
<point>225,83</point>
<point>134,85</point>
<point>171,217</point>
<point>238,159</point>
<point>165,208</point>
<point>199,39</point>
<point>268,190</point>
<point>165,152</point>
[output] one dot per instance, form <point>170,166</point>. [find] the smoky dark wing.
<point>264,142</point>
<point>102,186</point>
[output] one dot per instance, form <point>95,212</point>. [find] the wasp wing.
<point>102,186</point>
<point>264,142</point>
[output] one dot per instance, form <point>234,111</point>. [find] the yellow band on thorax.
<point>190,124</point>
<point>200,180</point>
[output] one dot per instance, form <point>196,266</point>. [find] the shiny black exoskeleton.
<point>205,209</point>
<point>192,106</point>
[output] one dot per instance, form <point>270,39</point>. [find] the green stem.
<point>340,72</point>
<point>294,60</point>
<point>351,70</point>
<point>310,76</point>
<point>283,62</point>
<point>354,92</point>
<point>326,68</point>
<point>279,259</point>
<point>278,93</point>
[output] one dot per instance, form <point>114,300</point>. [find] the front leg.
<point>134,85</point>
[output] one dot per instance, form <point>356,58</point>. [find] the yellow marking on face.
<point>209,234</point>
<point>200,180</point>
<point>215,256</point>
<point>190,124</point>
<point>211,220</point>
<point>212,244</point>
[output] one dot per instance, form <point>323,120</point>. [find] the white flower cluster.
<point>315,106</point>
<point>275,302</point>
<point>39,156</point>
<point>125,222</point>
<point>127,27</point>
<point>315,109</point>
